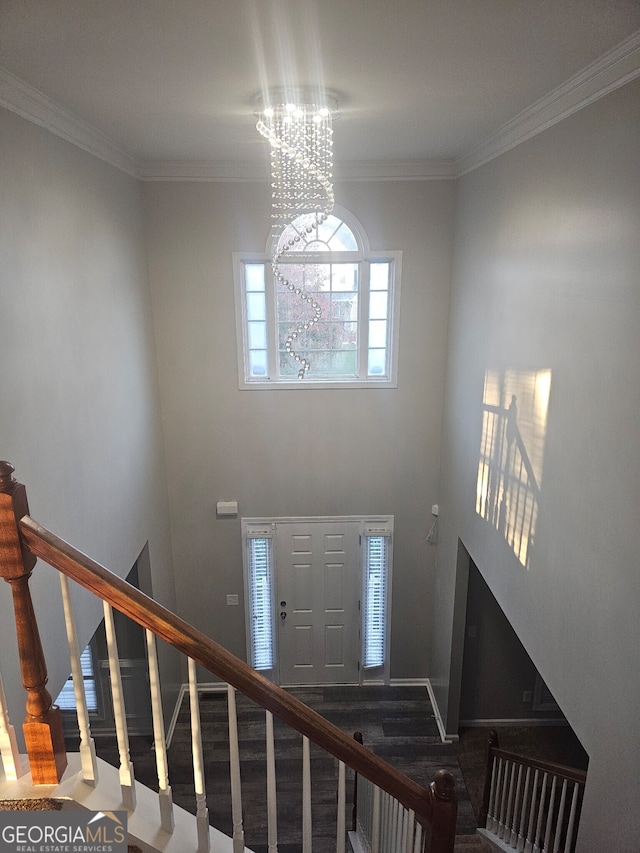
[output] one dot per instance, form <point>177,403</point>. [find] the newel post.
<point>444,812</point>
<point>42,727</point>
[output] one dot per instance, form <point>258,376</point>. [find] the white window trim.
<point>382,525</point>
<point>364,256</point>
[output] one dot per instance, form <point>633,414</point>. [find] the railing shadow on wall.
<point>515,407</point>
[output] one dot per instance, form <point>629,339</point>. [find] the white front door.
<point>317,602</point>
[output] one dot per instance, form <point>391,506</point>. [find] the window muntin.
<point>353,343</point>
<point>332,235</point>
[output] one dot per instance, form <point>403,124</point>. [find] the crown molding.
<point>30,103</point>
<point>419,170</point>
<point>615,68</point>
<point>611,71</point>
<point>177,170</point>
<point>389,170</point>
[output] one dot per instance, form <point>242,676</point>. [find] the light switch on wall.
<point>232,599</point>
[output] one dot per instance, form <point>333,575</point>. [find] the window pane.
<point>343,240</point>
<point>254,276</point>
<point>257,335</point>
<point>330,235</point>
<point>344,277</point>
<point>344,306</point>
<point>257,362</point>
<point>378,333</point>
<point>344,336</point>
<point>343,363</point>
<point>256,306</point>
<point>379,276</point>
<point>378,305</point>
<point>377,362</point>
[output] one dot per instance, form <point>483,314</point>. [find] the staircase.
<point>403,817</point>
<point>529,806</point>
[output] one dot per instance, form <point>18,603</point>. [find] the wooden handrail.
<point>562,771</point>
<point>428,804</point>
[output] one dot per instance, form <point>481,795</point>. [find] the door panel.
<point>318,585</point>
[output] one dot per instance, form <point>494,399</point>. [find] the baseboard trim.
<point>408,682</point>
<point>515,721</point>
<point>204,687</point>
<point>444,737</point>
<point>217,687</point>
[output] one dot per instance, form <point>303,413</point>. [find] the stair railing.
<point>533,806</point>
<point>23,540</point>
<point>381,824</point>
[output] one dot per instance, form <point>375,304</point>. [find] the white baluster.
<point>572,818</point>
<point>417,847</point>
<point>396,832</point>
<point>498,797</point>
<point>530,840</point>
<point>510,796</point>
<point>491,810</point>
<point>272,805</point>
<point>552,800</point>
<point>306,797</point>
<point>563,800</point>
<point>9,751</point>
<point>342,805</point>
<point>165,799</point>
<point>127,780</point>
<point>375,821</point>
<point>503,799</point>
<point>234,769</point>
<point>523,818</point>
<point>385,820</point>
<point>516,810</point>
<point>401,840</point>
<point>202,812</point>
<point>538,836</point>
<point>411,824</point>
<point>87,748</point>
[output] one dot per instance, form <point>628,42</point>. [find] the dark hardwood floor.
<point>397,723</point>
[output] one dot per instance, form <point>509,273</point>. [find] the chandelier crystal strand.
<point>300,135</point>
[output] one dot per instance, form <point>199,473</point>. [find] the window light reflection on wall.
<point>514,425</point>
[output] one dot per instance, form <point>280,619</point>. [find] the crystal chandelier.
<point>298,128</point>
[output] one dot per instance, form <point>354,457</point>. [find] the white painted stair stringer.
<point>143,824</point>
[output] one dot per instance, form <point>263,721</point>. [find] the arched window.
<point>333,305</point>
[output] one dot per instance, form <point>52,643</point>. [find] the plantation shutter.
<point>260,608</point>
<point>66,699</point>
<point>376,570</point>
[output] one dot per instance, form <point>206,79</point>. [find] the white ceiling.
<point>417,80</point>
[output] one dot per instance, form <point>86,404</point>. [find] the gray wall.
<point>496,669</point>
<point>297,452</point>
<point>79,418</point>
<point>546,276</point>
